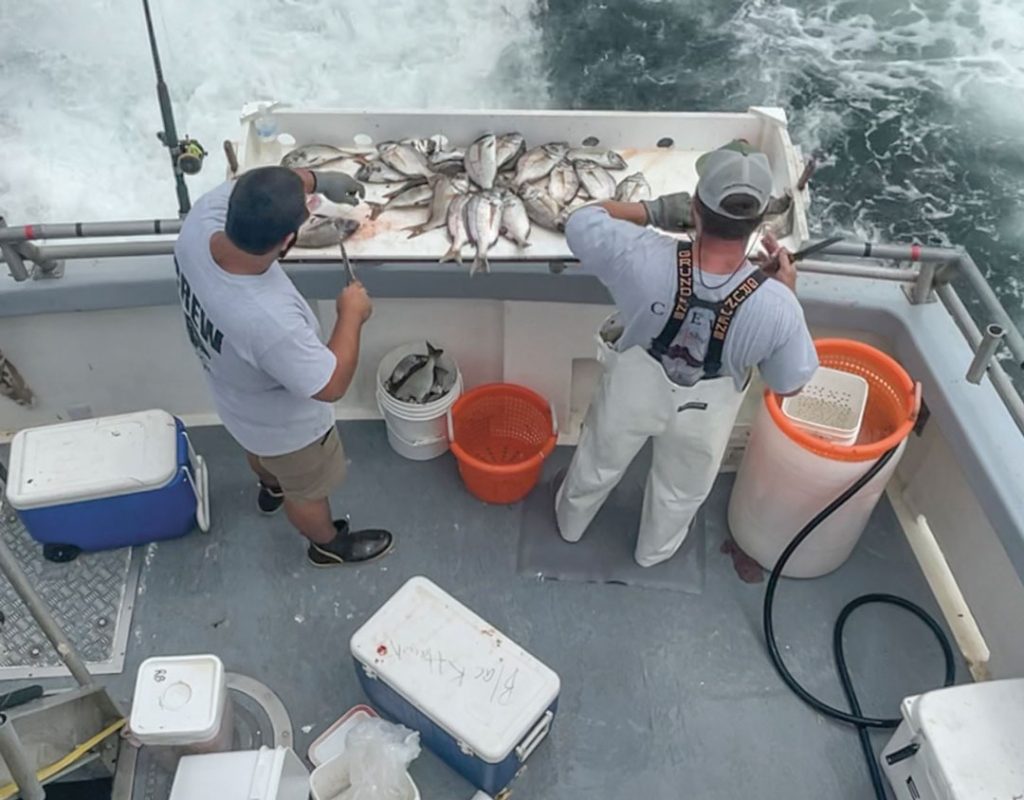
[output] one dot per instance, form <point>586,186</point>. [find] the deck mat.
<point>605,553</point>
<point>91,598</point>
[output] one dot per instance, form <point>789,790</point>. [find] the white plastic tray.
<point>634,135</point>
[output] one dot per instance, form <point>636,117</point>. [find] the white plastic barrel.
<point>781,486</point>
<point>789,475</point>
<point>416,431</point>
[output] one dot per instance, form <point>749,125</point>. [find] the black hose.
<point>854,716</point>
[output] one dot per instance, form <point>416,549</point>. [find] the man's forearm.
<point>630,212</point>
<point>344,343</point>
<point>308,181</point>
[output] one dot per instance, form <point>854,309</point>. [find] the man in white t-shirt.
<point>272,378</point>
<point>694,318</point>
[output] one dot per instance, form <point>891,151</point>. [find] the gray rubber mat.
<point>605,553</point>
<point>91,598</point>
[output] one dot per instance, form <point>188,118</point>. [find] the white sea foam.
<point>78,109</point>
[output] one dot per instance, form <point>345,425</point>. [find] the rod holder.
<point>922,289</point>
<point>17,762</point>
<point>990,340</point>
<point>15,263</point>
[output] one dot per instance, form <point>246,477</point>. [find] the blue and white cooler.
<point>97,484</point>
<point>479,701</point>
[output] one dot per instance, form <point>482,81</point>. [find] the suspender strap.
<point>726,312</point>
<point>684,291</point>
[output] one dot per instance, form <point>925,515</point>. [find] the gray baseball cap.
<point>735,169</point>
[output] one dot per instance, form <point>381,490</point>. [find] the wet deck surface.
<point>663,694</point>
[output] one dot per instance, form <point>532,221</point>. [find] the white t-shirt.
<point>638,265</point>
<point>257,339</point>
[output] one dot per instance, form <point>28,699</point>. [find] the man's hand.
<point>670,212</point>
<point>777,261</point>
<point>338,187</point>
<point>354,303</point>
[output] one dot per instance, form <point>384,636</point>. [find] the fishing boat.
<point>663,692</point>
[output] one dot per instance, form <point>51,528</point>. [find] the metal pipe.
<point>859,271</point>
<point>922,291</point>
<point>42,615</point>
<point>894,252</point>
<point>1000,380</point>
<point>990,342</point>
<point>85,230</point>
<point>85,250</point>
<point>16,759</point>
<point>1014,339</point>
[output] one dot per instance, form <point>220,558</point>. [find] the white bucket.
<point>416,431</point>
<point>781,486</point>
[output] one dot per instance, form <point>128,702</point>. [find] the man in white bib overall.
<point>693,319</point>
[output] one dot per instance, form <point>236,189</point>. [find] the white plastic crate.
<point>831,406</point>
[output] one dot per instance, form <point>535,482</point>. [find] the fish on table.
<point>444,189</point>
<point>608,159</point>
<point>482,161</point>
<point>324,231</point>
<point>455,223</point>
<point>541,207</point>
<point>633,188</point>
<point>537,163</point>
<point>515,222</point>
<point>483,227</point>
<point>563,183</point>
<point>595,180</point>
<point>317,155</point>
<point>415,196</point>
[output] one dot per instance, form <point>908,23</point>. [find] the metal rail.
<point>926,277</point>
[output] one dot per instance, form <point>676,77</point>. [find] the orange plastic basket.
<point>500,435</point>
<point>894,401</point>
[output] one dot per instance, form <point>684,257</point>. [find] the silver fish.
<point>563,183</point>
<point>419,378</point>
<point>482,161</point>
<point>427,146</point>
<point>456,224</point>
<point>510,147</point>
<point>405,159</point>
<point>633,188</point>
<point>320,231</point>
<point>444,190</point>
<point>538,162</point>
<point>515,222</point>
<point>379,172</point>
<point>461,183</point>
<point>483,224</point>
<point>595,180</point>
<point>608,159</point>
<point>314,155</point>
<point>447,160</point>
<point>541,207</point>
<point>414,196</point>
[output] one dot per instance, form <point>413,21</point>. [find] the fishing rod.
<point>186,154</point>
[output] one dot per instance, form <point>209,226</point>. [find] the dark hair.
<point>722,227</point>
<point>265,206</point>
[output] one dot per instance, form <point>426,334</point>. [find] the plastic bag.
<point>379,756</point>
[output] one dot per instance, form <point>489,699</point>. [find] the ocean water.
<point>915,108</point>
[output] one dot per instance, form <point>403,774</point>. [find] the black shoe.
<point>351,547</point>
<point>269,500</point>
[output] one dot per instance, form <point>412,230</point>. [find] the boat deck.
<point>664,694</point>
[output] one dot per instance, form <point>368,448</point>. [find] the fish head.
<point>615,161</point>
<point>557,149</point>
<point>345,226</point>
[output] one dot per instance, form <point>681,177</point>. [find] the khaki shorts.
<point>311,473</point>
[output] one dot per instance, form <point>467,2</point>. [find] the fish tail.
<point>435,352</point>
<point>454,254</point>
<point>376,209</point>
<point>415,230</point>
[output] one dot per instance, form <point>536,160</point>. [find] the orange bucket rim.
<point>910,391</point>
<point>503,469</point>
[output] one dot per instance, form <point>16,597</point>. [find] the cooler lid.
<point>178,700</point>
<point>974,745</point>
<point>92,459</point>
<point>470,679</point>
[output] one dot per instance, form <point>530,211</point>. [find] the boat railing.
<point>926,273</point>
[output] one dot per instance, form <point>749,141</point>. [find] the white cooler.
<point>479,701</point>
<point>960,743</point>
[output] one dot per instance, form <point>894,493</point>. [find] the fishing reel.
<point>188,154</point>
